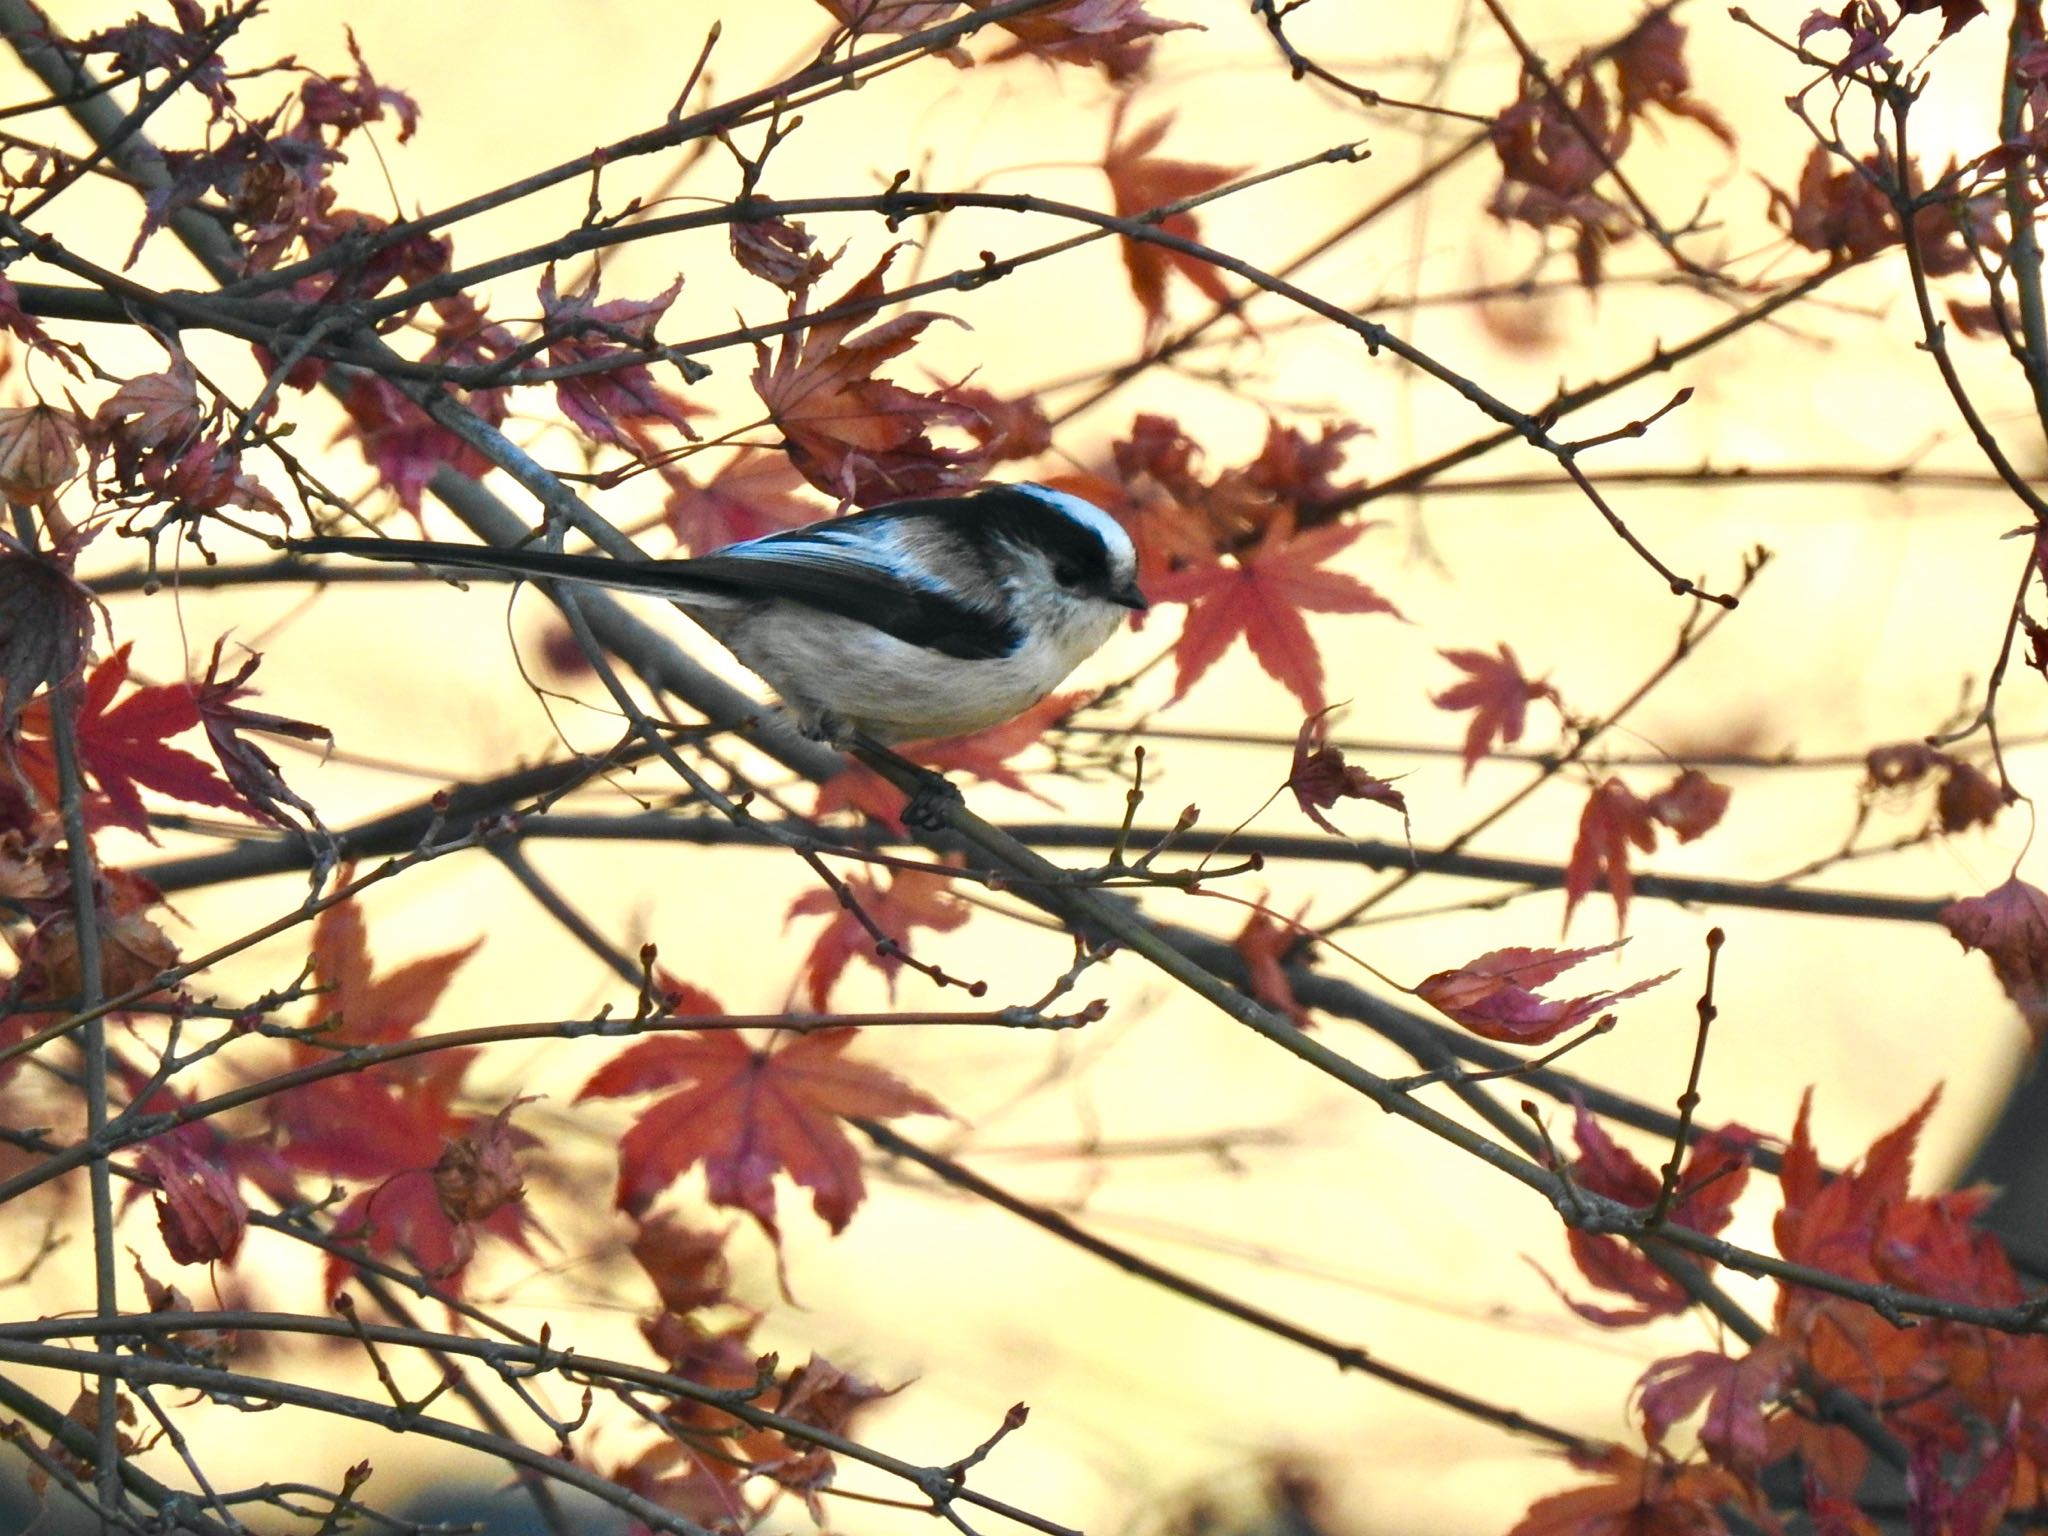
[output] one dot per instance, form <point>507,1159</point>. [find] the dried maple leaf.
<point>199,1209</point>
<point>1691,805</point>
<point>1552,156</point>
<point>614,406</point>
<point>204,477</point>
<point>346,103</point>
<point>1320,777</point>
<point>824,1397</point>
<point>853,435</point>
<point>1497,694</point>
<point>1262,594</point>
<point>1494,996</point>
<point>1017,428</point>
<point>1616,819</point>
<point>123,748</point>
<point>779,251</point>
<point>889,17</point>
<point>913,898</point>
<point>1140,181</point>
<point>1967,797</point>
<point>747,1114</point>
<point>407,1215</point>
<point>2010,925</point>
<point>1115,34</point>
<point>1955,15</point>
<point>152,410</point>
<point>1650,65</point>
<point>251,770</point>
<point>38,450</point>
<point>1838,210</point>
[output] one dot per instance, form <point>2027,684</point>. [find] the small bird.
<point>919,619</point>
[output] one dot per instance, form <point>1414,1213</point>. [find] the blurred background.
<point>1164,1126</point>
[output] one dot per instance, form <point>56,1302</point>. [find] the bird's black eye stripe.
<point>1076,551</point>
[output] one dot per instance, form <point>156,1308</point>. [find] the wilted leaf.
<point>2010,925</point>
<point>1494,996</point>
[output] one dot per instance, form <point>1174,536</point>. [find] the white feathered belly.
<point>823,664</point>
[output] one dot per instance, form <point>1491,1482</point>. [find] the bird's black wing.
<point>856,567</point>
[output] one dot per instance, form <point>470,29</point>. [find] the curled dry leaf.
<point>1320,777</point>
<point>199,1208</point>
<point>38,450</point>
<point>2010,925</point>
<point>778,251</point>
<point>1495,997</point>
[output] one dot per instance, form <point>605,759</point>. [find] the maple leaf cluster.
<point>1558,142</point>
<point>1970,1403</point>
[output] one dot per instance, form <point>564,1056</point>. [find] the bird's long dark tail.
<point>662,578</point>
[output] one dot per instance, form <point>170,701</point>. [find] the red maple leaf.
<point>614,406</point>
<point>1616,818</point>
<point>1713,1175</point>
<point>1497,694</point>
<point>853,435</point>
<point>199,1209</point>
<point>913,898</point>
<point>687,1264</point>
<point>1494,996</point>
<point>1140,181</point>
<point>1831,1221</point>
<point>754,492</point>
<point>357,1126</point>
<point>1265,945</point>
<point>1262,594</point>
<point>2010,925</point>
<point>1639,1496</point>
<point>1116,34</point>
<point>124,749</point>
<point>455,1182</point>
<point>747,1114</point>
<point>1736,1392</point>
<point>1320,777</point>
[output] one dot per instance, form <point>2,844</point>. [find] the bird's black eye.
<point>1066,573</point>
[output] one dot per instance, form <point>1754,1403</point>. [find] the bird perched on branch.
<point>919,619</point>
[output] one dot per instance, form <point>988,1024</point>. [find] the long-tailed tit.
<point>923,618</point>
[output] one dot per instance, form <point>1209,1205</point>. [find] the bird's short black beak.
<point>1129,595</point>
